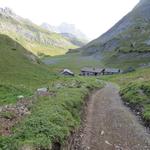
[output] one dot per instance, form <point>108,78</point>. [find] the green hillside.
<point>20,71</point>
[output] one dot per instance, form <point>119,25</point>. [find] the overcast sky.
<point>93,17</point>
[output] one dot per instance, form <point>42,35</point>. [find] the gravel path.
<point>110,125</point>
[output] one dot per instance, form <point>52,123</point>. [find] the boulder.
<point>42,91</point>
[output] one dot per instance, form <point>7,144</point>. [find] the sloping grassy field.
<point>20,71</point>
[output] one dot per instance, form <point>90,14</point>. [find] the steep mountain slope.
<point>69,31</point>
<point>32,37</point>
<point>128,38</point>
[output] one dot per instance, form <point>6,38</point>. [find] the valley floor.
<point>110,125</point>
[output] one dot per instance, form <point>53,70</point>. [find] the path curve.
<point>110,125</point>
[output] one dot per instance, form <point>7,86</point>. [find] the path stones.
<point>102,133</point>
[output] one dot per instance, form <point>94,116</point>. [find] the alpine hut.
<point>67,72</point>
<point>91,71</point>
<point>111,71</point>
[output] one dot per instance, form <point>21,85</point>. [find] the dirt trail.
<point>110,125</point>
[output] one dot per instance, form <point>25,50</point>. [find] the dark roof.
<point>112,70</point>
<point>93,70</point>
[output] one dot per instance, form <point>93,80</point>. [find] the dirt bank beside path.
<point>110,125</point>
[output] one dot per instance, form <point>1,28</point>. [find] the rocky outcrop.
<point>49,27</point>
<point>73,39</point>
<point>69,31</point>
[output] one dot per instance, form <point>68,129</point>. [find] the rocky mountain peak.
<point>71,28</point>
<point>68,30</point>
<point>49,27</point>
<point>7,11</point>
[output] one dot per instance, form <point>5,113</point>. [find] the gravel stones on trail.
<point>110,125</point>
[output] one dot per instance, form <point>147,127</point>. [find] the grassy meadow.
<point>73,61</point>
<point>52,117</point>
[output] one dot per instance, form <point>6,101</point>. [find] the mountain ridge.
<point>130,34</point>
<point>34,38</point>
<point>70,30</point>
